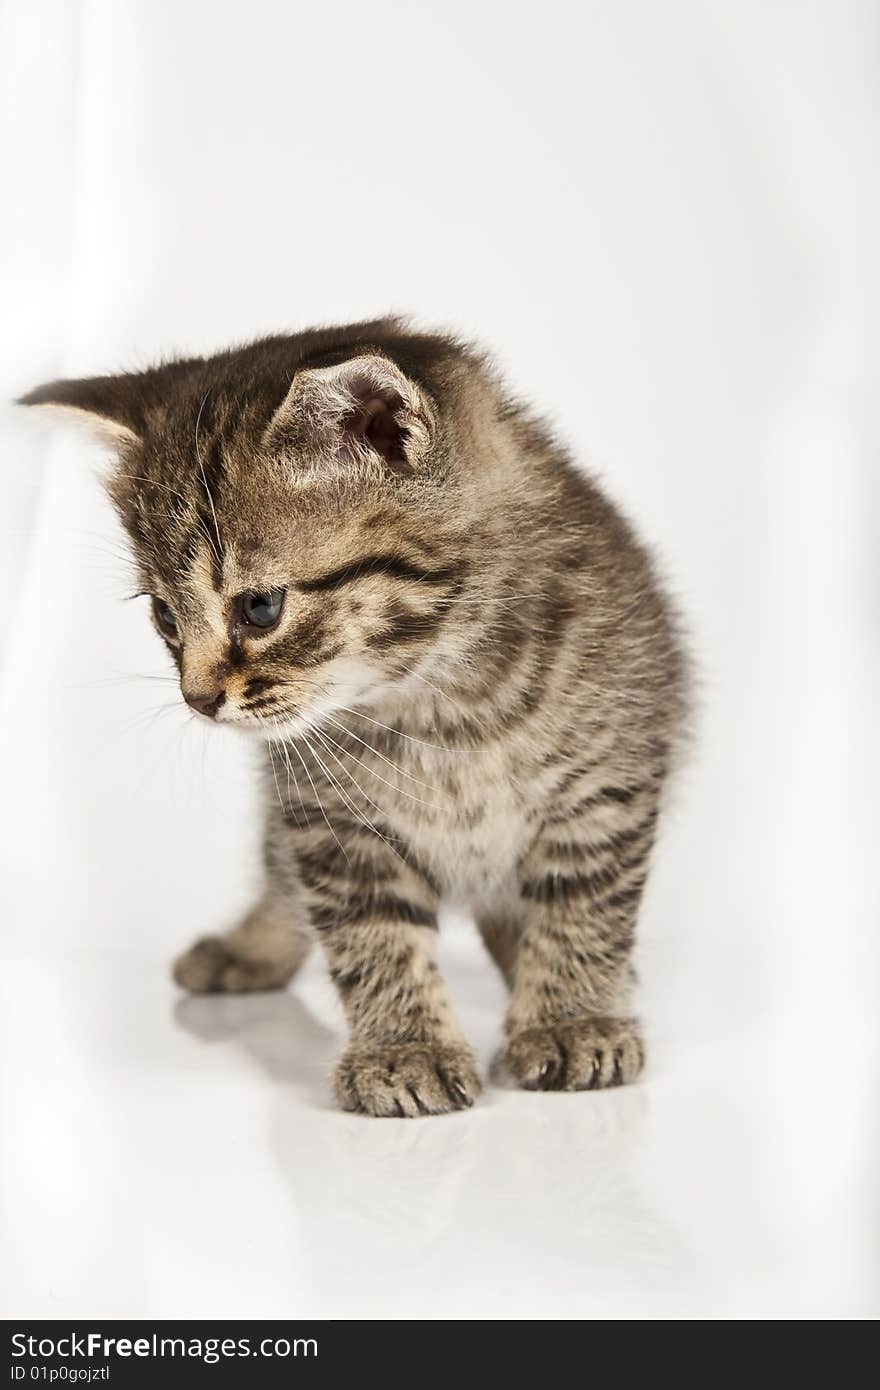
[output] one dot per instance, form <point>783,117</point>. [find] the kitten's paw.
<point>406,1080</point>
<point>583,1054</point>
<point>213,966</point>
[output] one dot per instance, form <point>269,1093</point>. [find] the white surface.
<point>666,220</point>
<point>171,1158</point>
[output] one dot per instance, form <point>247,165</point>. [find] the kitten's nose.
<point>205,704</point>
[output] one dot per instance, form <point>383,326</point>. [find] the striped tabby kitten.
<point>462,666</point>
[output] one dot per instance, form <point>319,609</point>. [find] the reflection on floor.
<point>174,1157</point>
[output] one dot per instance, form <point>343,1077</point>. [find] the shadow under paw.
<point>406,1080</point>
<point>585,1054</point>
<point>212,966</point>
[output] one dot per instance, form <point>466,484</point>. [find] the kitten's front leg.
<point>263,952</point>
<point>376,918</point>
<point>581,883</point>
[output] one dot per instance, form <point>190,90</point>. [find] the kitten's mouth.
<point>269,722</point>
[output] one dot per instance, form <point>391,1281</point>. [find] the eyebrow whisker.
<point>218,552</point>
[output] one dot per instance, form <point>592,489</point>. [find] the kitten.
<point>465,673</point>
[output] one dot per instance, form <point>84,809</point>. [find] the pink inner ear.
<point>377,424</point>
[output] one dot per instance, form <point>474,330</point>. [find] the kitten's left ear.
<point>361,410</point>
<point>110,405</point>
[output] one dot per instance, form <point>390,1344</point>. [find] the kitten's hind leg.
<point>502,932</point>
<point>263,952</point>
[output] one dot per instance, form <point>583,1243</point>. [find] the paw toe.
<point>201,968</point>
<point>406,1080</point>
<point>576,1055</point>
<point>211,966</point>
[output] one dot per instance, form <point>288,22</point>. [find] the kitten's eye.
<point>165,619</point>
<point>262,610</point>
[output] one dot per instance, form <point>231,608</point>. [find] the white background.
<point>665,220</point>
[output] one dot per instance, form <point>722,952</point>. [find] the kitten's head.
<point>294,514</point>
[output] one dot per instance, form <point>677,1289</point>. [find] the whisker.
<point>280,743</point>
<point>145,719</point>
<point>154,482</point>
<point>320,803</point>
<point>400,791</point>
<point>119,680</point>
<point>323,739</point>
<point>361,815</point>
<point>281,802</point>
<point>299,795</point>
<point>438,747</point>
<point>464,714</point>
<point>261,705</point>
<point>403,772</point>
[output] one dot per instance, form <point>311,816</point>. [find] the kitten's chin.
<point>291,727</point>
<point>280,726</point>
<point>246,728</point>
<point>297,725</point>
<point>266,728</point>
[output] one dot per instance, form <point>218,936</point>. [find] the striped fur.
<point>475,688</point>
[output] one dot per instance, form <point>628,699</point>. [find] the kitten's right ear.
<point>362,410</point>
<point>105,403</point>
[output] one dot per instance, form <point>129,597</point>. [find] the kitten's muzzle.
<point>207,704</point>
